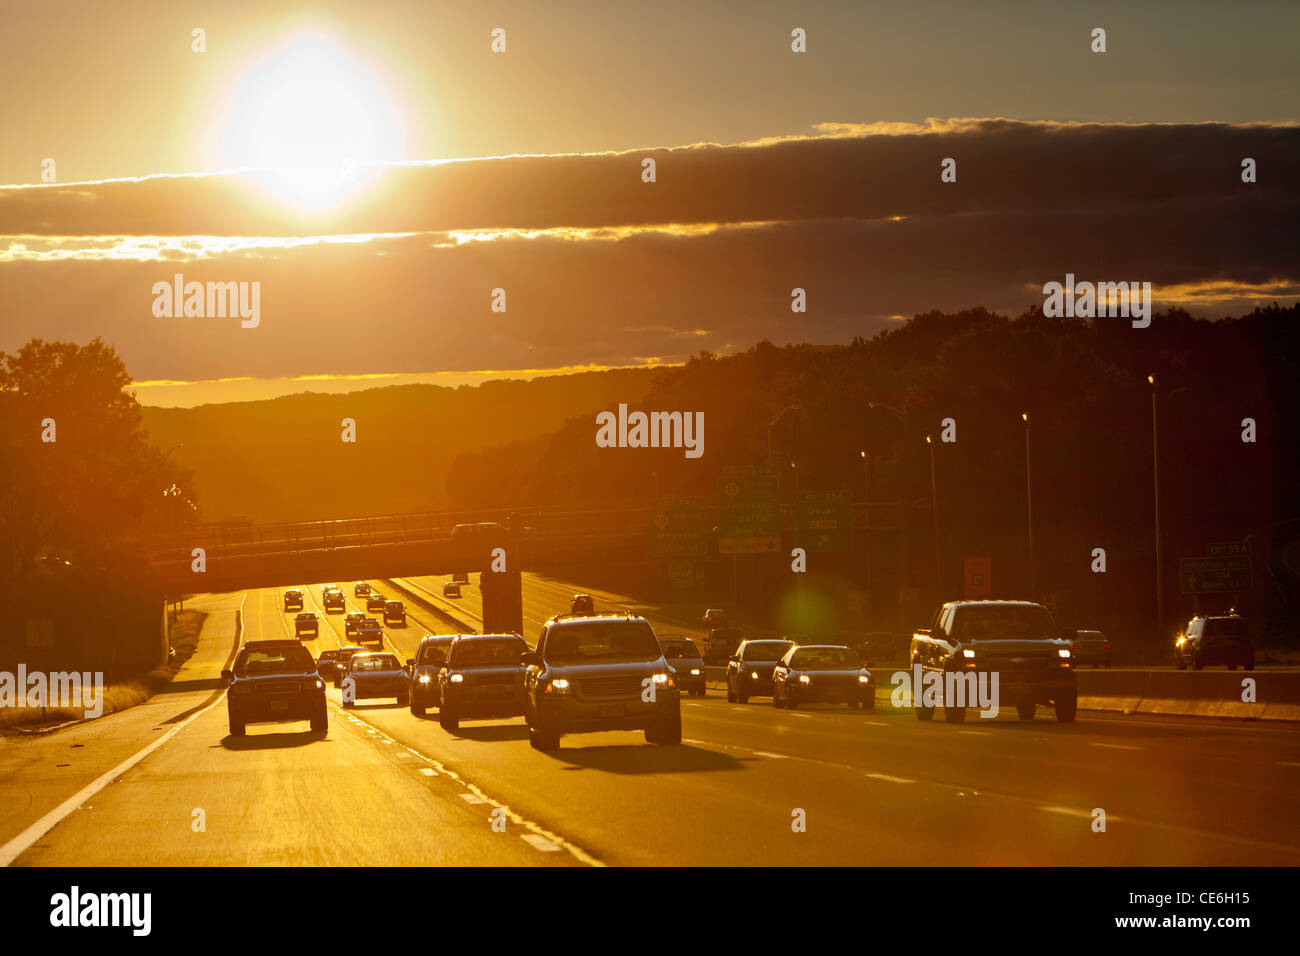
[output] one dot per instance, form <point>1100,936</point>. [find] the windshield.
<point>385,663</point>
<point>289,659</point>
<point>602,640</point>
<point>498,652</point>
<point>429,651</point>
<point>766,651</point>
<point>823,658</point>
<point>991,622</point>
<point>674,650</point>
<point>1229,627</point>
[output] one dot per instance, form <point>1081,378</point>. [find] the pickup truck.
<point>1018,641</point>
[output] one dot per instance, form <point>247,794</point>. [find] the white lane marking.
<point>800,715</point>
<point>1116,746</point>
<point>1071,812</point>
<point>873,723</point>
<point>688,740</point>
<point>428,771</point>
<point>976,733</point>
<point>19,844</point>
<point>473,798</point>
<point>889,779</point>
<point>1287,763</point>
<point>540,843</point>
<point>764,753</point>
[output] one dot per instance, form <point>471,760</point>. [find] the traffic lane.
<point>708,803</point>
<point>40,771</point>
<point>284,796</point>
<point>1229,781</point>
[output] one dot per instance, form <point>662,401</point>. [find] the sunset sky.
<point>429,170</point>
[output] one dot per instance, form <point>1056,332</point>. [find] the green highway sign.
<point>824,521</point>
<point>1214,574</point>
<point>681,528</point>
<point>749,512</point>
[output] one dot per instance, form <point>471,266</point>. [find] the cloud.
<point>601,268</point>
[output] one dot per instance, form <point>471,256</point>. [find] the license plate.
<point>279,705</point>
<point>613,710</point>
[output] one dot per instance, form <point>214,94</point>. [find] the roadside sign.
<point>1214,575</point>
<point>824,521</point>
<point>977,577</point>
<point>749,512</point>
<point>684,575</point>
<point>681,528</point>
<point>1225,548</point>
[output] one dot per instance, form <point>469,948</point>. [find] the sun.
<point>309,121</point>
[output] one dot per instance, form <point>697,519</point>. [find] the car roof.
<point>438,638</point>
<point>768,640</point>
<point>484,637</point>
<point>375,654</point>
<point>598,616</point>
<point>994,602</point>
<point>823,647</point>
<point>270,644</point>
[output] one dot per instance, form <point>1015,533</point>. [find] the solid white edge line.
<point>23,841</point>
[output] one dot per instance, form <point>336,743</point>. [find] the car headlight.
<point>805,679</point>
<point>967,652</point>
<point>559,687</point>
<point>455,678</point>
<point>753,675</point>
<point>425,679</point>
<point>695,672</point>
<point>864,678</point>
<point>1063,652</point>
<point>661,678</point>
<point>320,684</point>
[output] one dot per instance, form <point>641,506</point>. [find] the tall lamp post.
<point>1155,479</point>
<point>1029,506</point>
<point>776,418</point>
<point>866,535</point>
<point>934,515</point>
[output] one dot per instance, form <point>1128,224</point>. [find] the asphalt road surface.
<point>869,787</point>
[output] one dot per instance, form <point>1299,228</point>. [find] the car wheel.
<point>698,693</point>
<point>321,722</point>
<point>417,708</point>
<point>869,702</point>
<point>1026,710</point>
<point>543,738</point>
<point>954,715</point>
<point>1066,707</point>
<point>236,728</point>
<point>403,699</point>
<point>731,692</point>
<point>448,719</point>
<point>1197,663</point>
<point>1180,663</point>
<point>666,732</point>
<point>923,712</point>
<point>790,702</point>
<point>777,701</point>
<point>741,696</point>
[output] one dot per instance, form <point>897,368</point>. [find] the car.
<point>451,589</point>
<point>484,677</point>
<point>1090,647</point>
<point>683,656</point>
<point>749,669</point>
<point>375,674</point>
<point>375,601</point>
<point>430,658</point>
<point>292,600</point>
<point>332,663</point>
<point>351,622</point>
<point>333,599</point>
<point>361,589</point>
<point>600,672</point>
<point>827,673</point>
<point>274,682</point>
<point>582,604</point>
<point>715,617</point>
<point>1215,639</point>
<point>878,645</point>
<point>306,623</point>
<point>721,644</point>
<point>395,613</point>
<point>460,577</point>
<point>370,631</point>
<point>1018,641</point>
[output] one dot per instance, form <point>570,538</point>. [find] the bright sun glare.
<point>308,117</point>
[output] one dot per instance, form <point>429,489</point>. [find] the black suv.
<point>273,682</point>
<point>429,660</point>
<point>1215,639</point>
<point>484,677</point>
<point>600,672</point>
<point>292,600</point>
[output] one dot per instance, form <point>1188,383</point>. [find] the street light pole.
<point>1155,479</point>
<point>1029,505</point>
<point>934,514</point>
<point>866,535</point>
<point>776,418</point>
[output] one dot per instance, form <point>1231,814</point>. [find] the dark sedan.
<point>273,682</point>
<point>684,657</point>
<point>372,674</point>
<point>332,664</point>
<point>1090,647</point>
<point>395,613</point>
<point>749,671</point>
<point>484,677</point>
<point>826,673</point>
<point>370,631</point>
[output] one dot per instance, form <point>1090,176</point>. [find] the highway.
<point>872,787</point>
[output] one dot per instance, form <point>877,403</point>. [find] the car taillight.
<point>1107,646</point>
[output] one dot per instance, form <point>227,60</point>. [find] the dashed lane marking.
<point>540,843</point>
<point>1115,746</point>
<point>889,779</point>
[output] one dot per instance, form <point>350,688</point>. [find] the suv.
<point>749,672</point>
<point>306,623</point>
<point>361,589</point>
<point>333,599</point>
<point>582,604</point>
<point>430,658</point>
<point>369,631</point>
<point>395,613</point>
<point>484,677</point>
<point>1215,639</point>
<point>293,600</point>
<point>352,622</point>
<point>1016,640</point>
<point>375,601</point>
<point>273,682</point>
<point>600,672</point>
<point>715,617</point>
<point>721,644</point>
